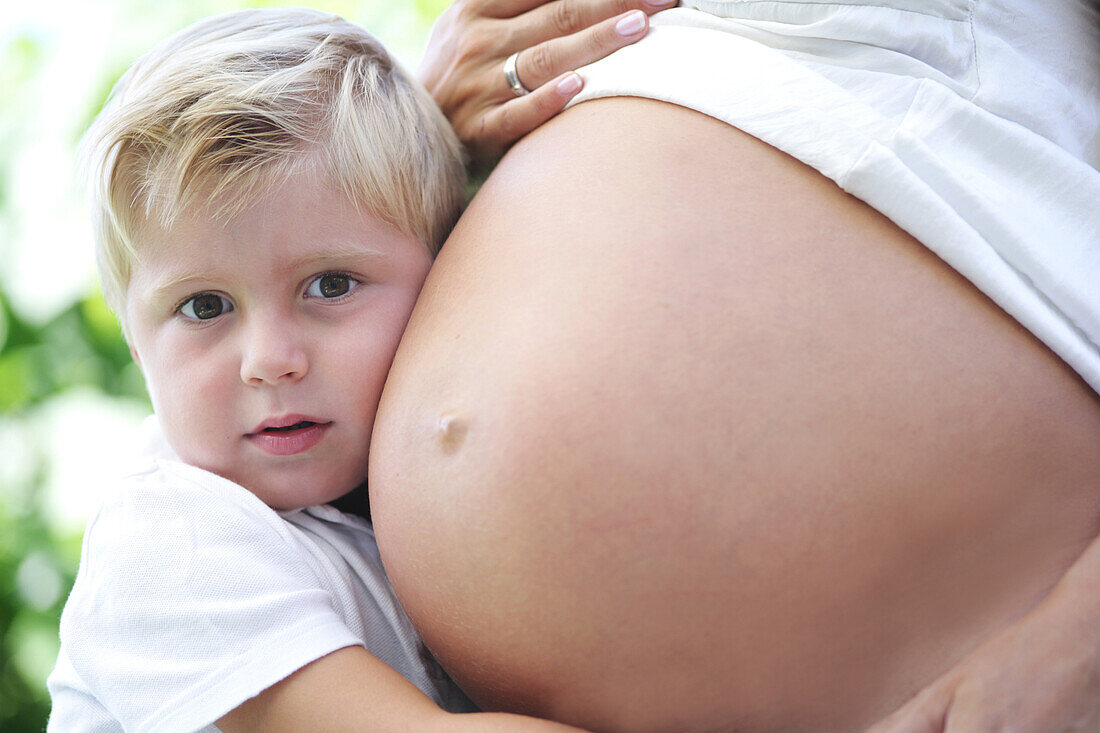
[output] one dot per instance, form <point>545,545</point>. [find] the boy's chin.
<point>300,495</point>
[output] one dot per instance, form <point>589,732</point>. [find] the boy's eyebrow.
<point>331,254</point>
<point>337,252</point>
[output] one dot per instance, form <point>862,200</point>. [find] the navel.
<point>452,432</point>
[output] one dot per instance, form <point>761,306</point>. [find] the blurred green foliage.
<point>76,348</point>
<point>36,565</point>
<point>80,347</point>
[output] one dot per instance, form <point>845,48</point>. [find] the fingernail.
<point>631,23</point>
<point>570,83</point>
<point>661,3</point>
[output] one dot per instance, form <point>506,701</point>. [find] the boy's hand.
<point>463,66</point>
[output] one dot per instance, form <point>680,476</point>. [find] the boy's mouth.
<point>288,424</point>
<point>288,435</point>
<point>296,426</point>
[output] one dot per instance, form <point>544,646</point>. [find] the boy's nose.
<point>273,355</point>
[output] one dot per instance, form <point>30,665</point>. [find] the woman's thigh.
<point>682,436</point>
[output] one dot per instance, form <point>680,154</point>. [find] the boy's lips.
<point>286,436</point>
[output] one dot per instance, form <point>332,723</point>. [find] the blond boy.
<point>270,191</point>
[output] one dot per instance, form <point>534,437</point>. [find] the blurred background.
<point>70,399</point>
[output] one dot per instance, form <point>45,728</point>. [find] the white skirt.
<point>972,124</point>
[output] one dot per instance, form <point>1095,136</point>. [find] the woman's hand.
<point>1039,675</point>
<point>463,66</point>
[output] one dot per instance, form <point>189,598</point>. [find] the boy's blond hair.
<point>235,103</point>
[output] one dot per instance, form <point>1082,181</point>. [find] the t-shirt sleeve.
<point>190,601</point>
<point>74,708</point>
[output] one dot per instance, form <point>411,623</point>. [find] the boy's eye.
<point>332,285</point>
<point>205,306</point>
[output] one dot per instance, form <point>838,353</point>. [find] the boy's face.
<point>265,342</point>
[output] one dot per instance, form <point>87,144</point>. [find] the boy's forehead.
<point>289,221</point>
<point>303,220</point>
<point>212,241</point>
<point>219,194</point>
<point>215,210</point>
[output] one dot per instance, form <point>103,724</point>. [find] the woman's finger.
<point>544,61</point>
<point>564,17</point>
<point>514,119</point>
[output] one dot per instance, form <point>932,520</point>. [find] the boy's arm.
<point>352,690</point>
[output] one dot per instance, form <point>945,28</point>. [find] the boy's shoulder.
<point>159,507</point>
<point>190,592</point>
<point>153,475</point>
<point>154,485</point>
<point>162,516</point>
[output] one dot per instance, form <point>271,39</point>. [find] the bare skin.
<point>776,467</point>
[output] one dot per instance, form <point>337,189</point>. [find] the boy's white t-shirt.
<point>193,596</point>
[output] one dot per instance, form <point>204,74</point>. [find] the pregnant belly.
<point>695,441</point>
